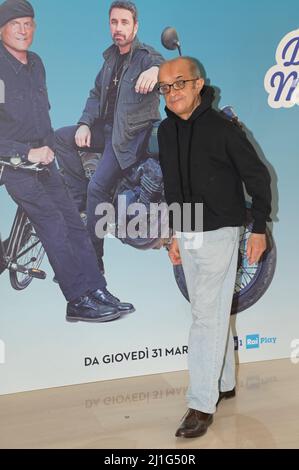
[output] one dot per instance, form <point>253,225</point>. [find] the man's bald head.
<point>186,62</point>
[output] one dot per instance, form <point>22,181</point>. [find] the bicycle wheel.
<point>25,249</point>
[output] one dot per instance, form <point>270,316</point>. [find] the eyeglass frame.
<point>172,85</point>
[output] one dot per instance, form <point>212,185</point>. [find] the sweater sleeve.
<point>168,178</point>
<point>254,174</point>
<point>169,197</point>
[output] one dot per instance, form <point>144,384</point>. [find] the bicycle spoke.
<point>24,252</point>
<point>28,253</point>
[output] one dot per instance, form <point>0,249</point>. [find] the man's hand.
<point>174,252</point>
<point>42,155</point>
<point>83,136</point>
<point>147,80</point>
<point>256,246</point>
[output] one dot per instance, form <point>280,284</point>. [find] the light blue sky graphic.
<point>236,42</point>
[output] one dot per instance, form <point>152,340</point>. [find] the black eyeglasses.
<point>178,85</point>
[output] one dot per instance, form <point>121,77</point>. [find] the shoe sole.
<point>125,312</point>
<point>193,436</point>
<point>226,397</point>
<point>93,320</point>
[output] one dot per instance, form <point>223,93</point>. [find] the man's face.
<point>18,34</point>
<point>181,102</point>
<point>122,27</point>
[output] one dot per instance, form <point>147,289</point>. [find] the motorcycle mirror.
<point>170,39</point>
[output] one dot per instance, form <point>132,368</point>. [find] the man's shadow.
<point>262,156</point>
<point>251,138</point>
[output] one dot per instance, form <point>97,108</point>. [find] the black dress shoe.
<point>90,310</point>
<point>226,395</point>
<point>195,423</point>
<point>106,298</point>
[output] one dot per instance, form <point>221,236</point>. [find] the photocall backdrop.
<point>248,49</point>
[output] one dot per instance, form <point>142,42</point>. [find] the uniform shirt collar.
<point>14,63</point>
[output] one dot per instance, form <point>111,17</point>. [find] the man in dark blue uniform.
<point>26,135</point>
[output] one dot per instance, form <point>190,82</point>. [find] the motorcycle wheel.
<point>251,281</point>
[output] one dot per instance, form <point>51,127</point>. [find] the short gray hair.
<point>194,65</point>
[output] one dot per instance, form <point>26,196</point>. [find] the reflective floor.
<point>144,413</point>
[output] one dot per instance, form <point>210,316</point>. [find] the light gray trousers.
<point>210,263</point>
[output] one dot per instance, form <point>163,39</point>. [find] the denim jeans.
<point>101,186</point>
<point>59,227</point>
<point>210,271</point>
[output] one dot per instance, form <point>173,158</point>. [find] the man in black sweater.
<point>205,159</point>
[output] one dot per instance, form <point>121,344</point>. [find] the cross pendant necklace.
<point>118,71</point>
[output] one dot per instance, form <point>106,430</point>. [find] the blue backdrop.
<point>236,42</point>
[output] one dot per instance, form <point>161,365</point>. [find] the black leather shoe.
<point>106,298</point>
<point>195,423</point>
<point>90,310</point>
<point>226,395</point>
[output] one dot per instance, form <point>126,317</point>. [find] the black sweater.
<point>206,159</point>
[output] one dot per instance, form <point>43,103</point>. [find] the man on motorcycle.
<point>117,118</point>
